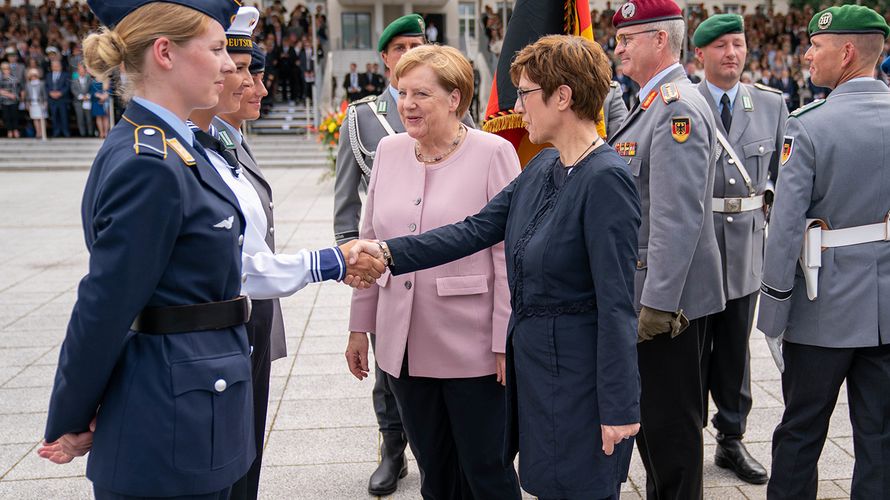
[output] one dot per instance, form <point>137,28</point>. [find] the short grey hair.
<point>676,31</point>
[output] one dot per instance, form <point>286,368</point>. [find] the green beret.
<point>716,26</point>
<point>854,19</point>
<point>410,25</point>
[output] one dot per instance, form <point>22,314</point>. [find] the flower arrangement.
<point>329,136</point>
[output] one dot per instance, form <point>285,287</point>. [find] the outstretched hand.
<point>364,263</point>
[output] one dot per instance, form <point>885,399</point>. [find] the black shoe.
<point>731,454</point>
<point>393,465</point>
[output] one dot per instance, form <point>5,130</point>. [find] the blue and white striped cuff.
<point>327,264</point>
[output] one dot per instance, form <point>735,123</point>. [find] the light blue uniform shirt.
<point>717,94</point>
<point>645,89</point>
<point>169,118</point>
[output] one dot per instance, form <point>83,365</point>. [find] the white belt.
<point>818,237</point>
<point>736,205</point>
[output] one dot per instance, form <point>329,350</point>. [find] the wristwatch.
<point>387,256</point>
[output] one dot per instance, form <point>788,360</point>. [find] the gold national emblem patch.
<point>787,148</point>
<point>680,129</point>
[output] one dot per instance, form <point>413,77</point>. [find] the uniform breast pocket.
<point>757,155</point>
<point>212,400</point>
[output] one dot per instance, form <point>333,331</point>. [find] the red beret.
<point>646,11</point>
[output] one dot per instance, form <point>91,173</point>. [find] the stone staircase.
<point>284,119</point>
<point>272,151</point>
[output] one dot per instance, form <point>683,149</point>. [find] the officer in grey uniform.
<point>825,288</point>
<point>670,144</point>
<point>614,109</point>
<point>367,121</point>
<point>750,121</point>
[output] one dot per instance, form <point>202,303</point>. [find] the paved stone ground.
<point>322,440</point>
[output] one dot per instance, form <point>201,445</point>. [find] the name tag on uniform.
<point>626,148</point>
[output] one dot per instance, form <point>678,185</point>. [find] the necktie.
<point>726,114</point>
<point>212,143</point>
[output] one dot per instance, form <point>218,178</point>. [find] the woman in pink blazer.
<point>440,332</point>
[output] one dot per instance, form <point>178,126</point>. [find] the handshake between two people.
<point>365,262</point>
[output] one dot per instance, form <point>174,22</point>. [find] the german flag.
<point>531,20</point>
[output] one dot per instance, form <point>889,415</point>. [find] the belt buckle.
<point>732,205</point>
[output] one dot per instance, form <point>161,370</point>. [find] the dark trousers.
<point>388,419</point>
<point>259,330</point>
<point>810,385</point>
<point>726,365</point>
<point>102,494</point>
<point>456,427</point>
<point>11,116</point>
<point>670,438</point>
<point>58,114</point>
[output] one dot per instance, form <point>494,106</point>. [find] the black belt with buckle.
<point>193,317</point>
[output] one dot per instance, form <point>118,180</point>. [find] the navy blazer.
<point>571,347</point>
<point>63,85</point>
<point>160,232</point>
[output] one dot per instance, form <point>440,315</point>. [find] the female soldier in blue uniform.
<point>156,359</point>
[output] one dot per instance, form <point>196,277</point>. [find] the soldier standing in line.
<point>750,121</point>
<point>832,200</point>
<point>670,145</point>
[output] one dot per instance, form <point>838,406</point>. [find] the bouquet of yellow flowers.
<point>329,136</point>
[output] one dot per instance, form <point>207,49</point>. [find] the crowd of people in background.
<point>37,99</point>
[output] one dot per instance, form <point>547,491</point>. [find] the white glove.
<point>775,348</point>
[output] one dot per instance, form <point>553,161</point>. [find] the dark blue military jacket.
<point>174,411</point>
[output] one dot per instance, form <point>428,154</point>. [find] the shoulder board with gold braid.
<point>669,93</point>
<point>811,106</point>
<point>767,88</point>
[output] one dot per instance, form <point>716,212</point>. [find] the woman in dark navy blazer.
<point>570,223</point>
<point>156,358</point>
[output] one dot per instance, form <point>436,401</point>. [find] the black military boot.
<point>731,454</point>
<point>393,465</point>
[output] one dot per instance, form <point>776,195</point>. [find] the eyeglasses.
<point>520,93</point>
<point>624,38</point>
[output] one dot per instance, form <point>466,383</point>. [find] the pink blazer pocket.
<point>461,285</point>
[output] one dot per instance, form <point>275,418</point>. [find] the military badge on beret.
<point>628,10</point>
<point>680,129</point>
<point>825,21</point>
<point>787,149</point>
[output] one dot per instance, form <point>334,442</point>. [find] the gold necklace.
<point>454,143</point>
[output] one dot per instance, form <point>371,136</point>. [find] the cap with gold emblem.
<point>110,12</point>
<point>716,26</point>
<point>410,25</point>
<point>239,36</point>
<point>851,19</point>
<point>646,11</point>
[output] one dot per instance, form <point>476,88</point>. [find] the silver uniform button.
<point>732,182</point>
<point>760,149</point>
<point>271,230</point>
<point>729,219</point>
<point>412,226</point>
<point>220,385</point>
<point>408,285</point>
<point>149,131</point>
<point>240,240</point>
<point>730,161</point>
<point>271,205</point>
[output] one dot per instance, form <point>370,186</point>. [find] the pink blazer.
<point>451,318</point>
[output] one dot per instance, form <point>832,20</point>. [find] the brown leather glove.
<point>654,322</point>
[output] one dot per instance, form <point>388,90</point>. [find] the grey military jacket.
<point>614,109</point>
<point>278,345</point>
<point>669,144</point>
<point>351,177</point>
<point>836,167</point>
<point>756,134</point>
